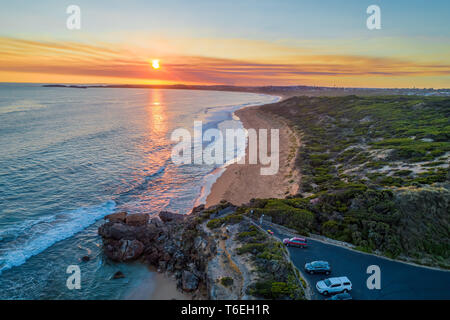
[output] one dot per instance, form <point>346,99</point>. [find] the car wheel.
<point>311,272</point>
<point>327,273</point>
<point>325,293</point>
<point>345,291</point>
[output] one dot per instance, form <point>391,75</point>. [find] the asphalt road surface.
<point>399,281</point>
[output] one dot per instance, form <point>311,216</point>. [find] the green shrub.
<point>253,248</point>
<point>343,139</point>
<point>214,223</point>
<point>227,281</point>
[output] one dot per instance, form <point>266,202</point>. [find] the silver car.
<point>334,285</point>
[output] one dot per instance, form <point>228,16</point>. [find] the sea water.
<point>70,156</point>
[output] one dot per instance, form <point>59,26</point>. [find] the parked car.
<point>341,296</point>
<point>334,285</point>
<point>318,267</point>
<point>295,242</point>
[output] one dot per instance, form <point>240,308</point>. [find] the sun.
<point>155,64</point>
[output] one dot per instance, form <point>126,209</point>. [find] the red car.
<point>295,242</point>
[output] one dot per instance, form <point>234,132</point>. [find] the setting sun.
<point>155,64</point>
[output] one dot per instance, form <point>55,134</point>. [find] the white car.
<point>334,285</point>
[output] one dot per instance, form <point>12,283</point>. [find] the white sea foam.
<point>38,236</point>
<point>211,178</point>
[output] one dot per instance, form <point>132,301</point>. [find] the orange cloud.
<point>22,60</point>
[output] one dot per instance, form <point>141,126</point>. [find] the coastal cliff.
<point>212,253</point>
<point>169,242</point>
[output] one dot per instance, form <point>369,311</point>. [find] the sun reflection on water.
<point>157,114</point>
<point>156,152</point>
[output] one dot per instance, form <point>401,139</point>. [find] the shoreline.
<point>219,182</point>
<point>157,286</point>
<point>239,183</point>
<point>211,178</point>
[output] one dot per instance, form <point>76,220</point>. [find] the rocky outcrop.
<point>136,219</point>
<point>124,250</point>
<point>116,217</point>
<point>189,281</point>
<point>170,242</point>
<point>167,216</point>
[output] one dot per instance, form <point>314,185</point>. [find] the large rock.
<point>167,216</point>
<point>154,257</point>
<point>137,219</point>
<point>111,249</point>
<point>157,222</point>
<point>117,217</point>
<point>147,234</point>
<point>198,209</point>
<point>117,231</point>
<point>189,281</point>
<point>171,242</point>
<point>131,249</point>
<point>124,250</point>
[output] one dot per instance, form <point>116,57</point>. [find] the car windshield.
<point>327,282</point>
<point>315,264</point>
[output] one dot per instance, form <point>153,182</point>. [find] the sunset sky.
<point>296,42</point>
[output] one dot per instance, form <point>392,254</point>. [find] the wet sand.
<point>157,287</point>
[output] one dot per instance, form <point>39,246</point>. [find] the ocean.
<point>71,156</point>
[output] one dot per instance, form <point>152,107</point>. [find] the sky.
<point>276,42</point>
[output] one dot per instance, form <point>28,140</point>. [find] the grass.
<point>357,179</point>
<point>232,218</point>
<point>276,277</point>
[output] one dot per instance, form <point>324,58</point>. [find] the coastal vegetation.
<point>276,275</point>
<point>226,281</point>
<point>212,253</point>
<point>374,173</point>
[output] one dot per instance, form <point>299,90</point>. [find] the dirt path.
<point>228,263</point>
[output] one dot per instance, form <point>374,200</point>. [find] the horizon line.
<point>221,85</point>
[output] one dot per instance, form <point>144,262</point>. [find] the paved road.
<point>398,280</point>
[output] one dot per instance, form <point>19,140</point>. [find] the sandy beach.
<point>157,286</point>
<point>242,182</point>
